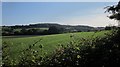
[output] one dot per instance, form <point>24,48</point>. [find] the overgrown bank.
<point>99,51</point>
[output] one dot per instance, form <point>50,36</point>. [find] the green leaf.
<point>77,48</point>
<point>78,56</point>
<point>33,61</point>
<point>41,46</point>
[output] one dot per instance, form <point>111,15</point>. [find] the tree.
<point>32,31</point>
<point>23,31</point>
<point>115,12</point>
<point>53,30</point>
<point>7,31</point>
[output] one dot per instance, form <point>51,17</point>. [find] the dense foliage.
<point>98,52</point>
<point>114,10</point>
<point>95,52</point>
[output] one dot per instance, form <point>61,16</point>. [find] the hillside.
<point>44,29</point>
<point>49,42</point>
<point>47,25</point>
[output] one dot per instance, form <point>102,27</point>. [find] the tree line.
<point>32,31</point>
<point>8,31</point>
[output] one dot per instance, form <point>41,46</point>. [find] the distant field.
<point>49,42</point>
<point>32,28</point>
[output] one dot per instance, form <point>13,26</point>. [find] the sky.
<point>60,0</point>
<point>69,13</point>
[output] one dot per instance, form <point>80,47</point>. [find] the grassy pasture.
<point>49,42</point>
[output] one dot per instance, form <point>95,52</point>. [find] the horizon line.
<point>53,23</point>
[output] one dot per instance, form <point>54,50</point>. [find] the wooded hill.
<point>45,28</point>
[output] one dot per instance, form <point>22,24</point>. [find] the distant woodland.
<point>46,29</point>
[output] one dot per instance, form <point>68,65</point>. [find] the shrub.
<point>97,52</point>
<point>94,52</point>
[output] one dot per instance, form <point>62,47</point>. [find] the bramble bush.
<point>96,52</point>
<point>93,52</point>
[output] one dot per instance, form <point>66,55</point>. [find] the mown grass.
<point>49,42</point>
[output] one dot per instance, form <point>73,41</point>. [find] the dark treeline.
<point>32,31</point>
<point>35,29</point>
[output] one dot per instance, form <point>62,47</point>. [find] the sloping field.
<point>49,42</point>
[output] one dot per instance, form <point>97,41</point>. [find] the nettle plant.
<point>30,56</point>
<point>6,60</point>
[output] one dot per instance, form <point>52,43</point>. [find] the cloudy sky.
<point>71,13</point>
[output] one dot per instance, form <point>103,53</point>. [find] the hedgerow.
<point>95,52</point>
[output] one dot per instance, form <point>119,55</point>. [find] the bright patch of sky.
<point>60,0</point>
<point>71,13</point>
<point>0,13</point>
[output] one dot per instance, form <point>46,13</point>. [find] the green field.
<point>49,42</point>
<point>31,28</point>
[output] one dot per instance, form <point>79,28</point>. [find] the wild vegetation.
<point>94,51</point>
<point>90,49</point>
<point>50,42</point>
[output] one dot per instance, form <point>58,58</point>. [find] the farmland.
<point>31,28</point>
<point>60,35</point>
<point>49,42</point>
